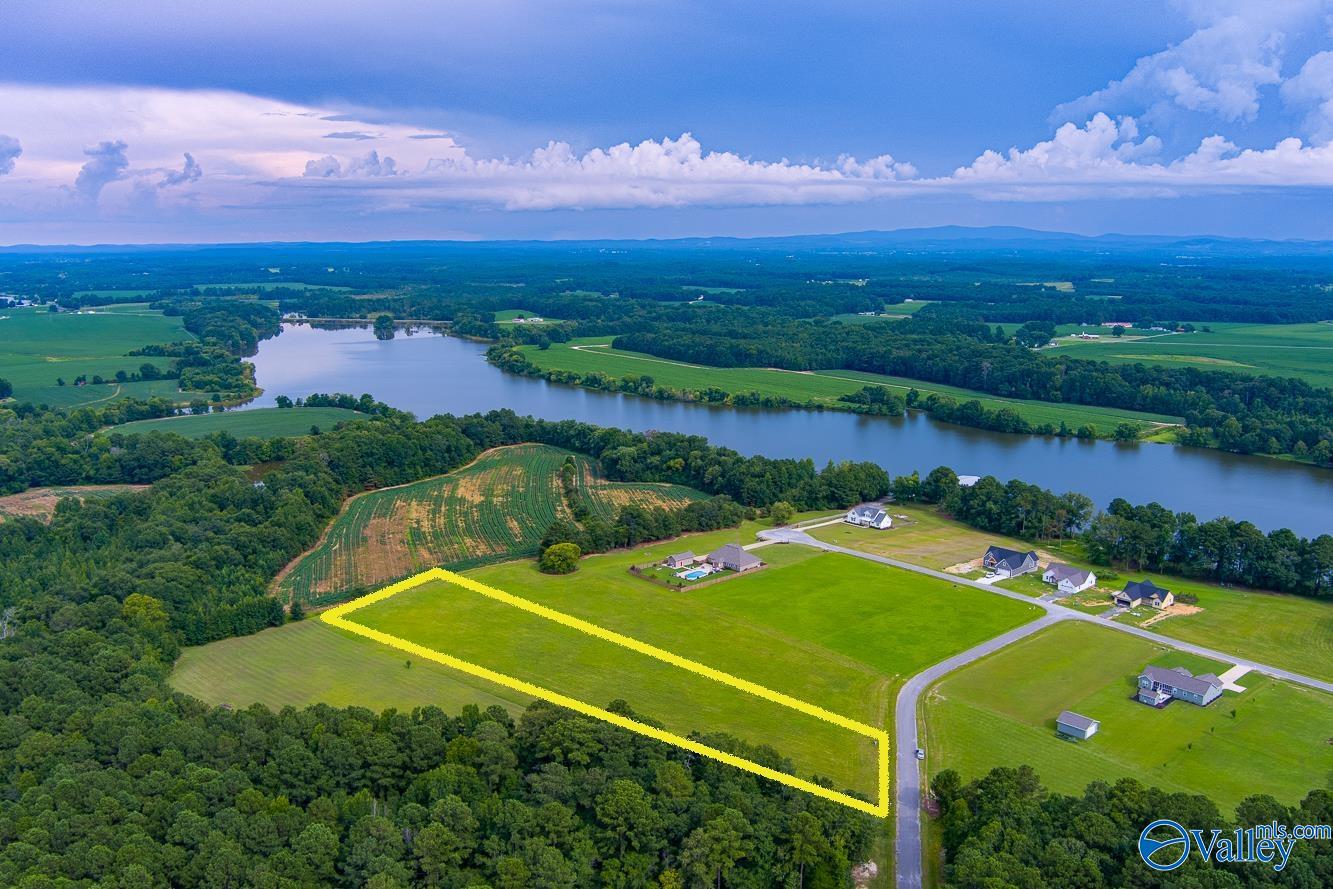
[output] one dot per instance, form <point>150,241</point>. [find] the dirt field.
<point>40,503</point>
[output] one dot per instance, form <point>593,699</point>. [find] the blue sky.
<point>155,121</point>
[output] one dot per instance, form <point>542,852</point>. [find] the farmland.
<point>830,629</point>
<point>40,503</point>
<point>495,509</point>
<point>1286,350</point>
<point>268,422</point>
<point>37,348</point>
<point>1001,711</point>
<point>822,388</point>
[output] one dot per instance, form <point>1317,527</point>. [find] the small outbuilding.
<point>679,560</point>
<point>1073,725</point>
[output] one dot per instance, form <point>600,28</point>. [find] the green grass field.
<point>837,631</point>
<point>265,422</point>
<point>511,316</point>
<point>1287,350</point>
<point>1001,711</point>
<point>496,509</point>
<point>589,354</point>
<point>37,347</point>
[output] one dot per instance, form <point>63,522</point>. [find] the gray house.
<point>679,560</point>
<point>1158,686</point>
<point>733,558</point>
<point>1068,579</point>
<point>1143,592</point>
<point>1072,725</point>
<point>1009,562</point>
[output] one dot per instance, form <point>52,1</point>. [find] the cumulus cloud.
<point>1312,89</point>
<point>369,164</point>
<point>666,173</point>
<point>1220,69</point>
<point>106,163</point>
<point>190,171</point>
<point>10,149</point>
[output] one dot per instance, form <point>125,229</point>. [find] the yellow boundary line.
<point>337,617</point>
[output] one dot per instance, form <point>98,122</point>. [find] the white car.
<point>991,575</point>
<point>920,754</point>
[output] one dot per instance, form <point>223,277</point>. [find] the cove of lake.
<point>428,374</point>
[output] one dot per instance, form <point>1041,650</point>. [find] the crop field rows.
<point>496,509</point>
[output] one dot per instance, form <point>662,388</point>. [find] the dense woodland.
<point>1004,830</point>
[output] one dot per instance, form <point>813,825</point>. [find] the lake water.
<point>428,374</point>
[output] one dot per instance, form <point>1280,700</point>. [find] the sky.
<point>151,122</point>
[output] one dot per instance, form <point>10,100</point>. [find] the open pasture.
<point>594,354</point>
<point>265,422</point>
<point>38,348</point>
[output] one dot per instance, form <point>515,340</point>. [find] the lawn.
<point>836,631</point>
<point>495,509</point>
<point>1001,711</point>
<point>267,422</point>
<point>1288,350</point>
<point>593,354</point>
<point>38,347</point>
<point>511,316</point>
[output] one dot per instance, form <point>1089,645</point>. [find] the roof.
<point>680,557</point>
<point>1061,571</point>
<point>868,511</point>
<point>733,553</point>
<point>1074,720</point>
<point>1010,558</point>
<point>1179,677</point>
<point>1144,589</point>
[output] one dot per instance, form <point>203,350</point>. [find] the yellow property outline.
<point>337,617</point>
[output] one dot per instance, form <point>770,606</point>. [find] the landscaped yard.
<point>266,422</point>
<point>1001,711</point>
<point>594,354</point>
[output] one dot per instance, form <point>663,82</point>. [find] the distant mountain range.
<point>942,239</point>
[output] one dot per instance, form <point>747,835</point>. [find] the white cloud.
<point>1312,89</point>
<point>190,171</point>
<point>10,149</point>
<point>106,163</point>
<point>1220,69</point>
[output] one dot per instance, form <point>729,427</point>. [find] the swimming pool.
<point>696,574</point>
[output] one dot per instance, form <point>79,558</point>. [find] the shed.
<point>1074,725</point>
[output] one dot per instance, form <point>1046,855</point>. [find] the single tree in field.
<point>781,512</point>
<point>560,558</point>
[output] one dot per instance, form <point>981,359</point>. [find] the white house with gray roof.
<point>1159,686</point>
<point>869,515</point>
<point>679,560</point>
<point>1073,725</point>
<point>1068,579</point>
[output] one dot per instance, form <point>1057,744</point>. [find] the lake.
<point>428,374</point>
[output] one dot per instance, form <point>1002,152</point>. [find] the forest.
<point>1005,830</point>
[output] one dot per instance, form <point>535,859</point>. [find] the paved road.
<point>907,769</point>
